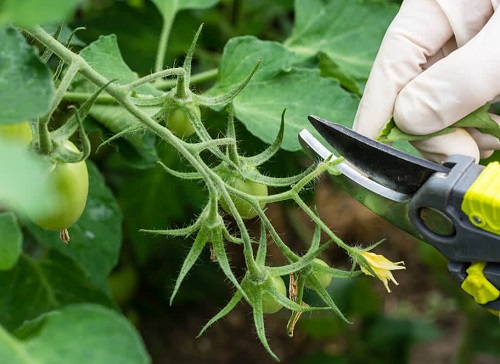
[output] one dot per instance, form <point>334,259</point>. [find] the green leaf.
<point>24,183</point>
<point>34,287</point>
<point>349,32</point>
<point>96,237</point>
<point>479,119</point>
<point>26,86</point>
<point>33,12</point>
<point>240,56</point>
<point>331,69</point>
<point>76,334</point>
<point>12,239</point>
<point>105,57</point>
<point>168,8</point>
<point>302,92</point>
<point>277,86</point>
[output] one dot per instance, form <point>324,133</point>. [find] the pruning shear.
<point>454,206</point>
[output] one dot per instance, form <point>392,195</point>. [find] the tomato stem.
<point>83,96</point>
<point>194,79</point>
<point>168,19</point>
<point>178,71</point>
<point>63,86</point>
<point>44,142</point>
<point>180,91</point>
<point>322,225</point>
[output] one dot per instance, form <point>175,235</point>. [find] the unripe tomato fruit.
<point>71,181</point>
<point>252,188</point>
<point>324,278</point>
<point>20,132</point>
<point>178,122</point>
<point>269,304</point>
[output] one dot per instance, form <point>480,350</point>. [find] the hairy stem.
<point>322,225</point>
<point>44,142</point>
<point>63,85</point>
<point>84,96</point>
<point>178,71</point>
<point>194,79</point>
<point>163,42</point>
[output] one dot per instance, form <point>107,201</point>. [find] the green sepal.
<point>188,230</point>
<point>302,262</point>
<point>182,175</point>
<point>190,260</point>
<point>258,319</point>
<point>149,101</point>
<point>337,273</point>
<point>325,296</point>
<point>260,257</point>
<point>291,305</point>
<point>268,153</point>
<point>223,260</point>
<point>227,98</point>
<point>209,144</point>
<point>183,82</point>
<point>228,308</point>
<point>129,130</point>
<point>232,150</point>
<point>255,176</point>
<point>205,137</point>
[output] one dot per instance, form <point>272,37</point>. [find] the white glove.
<point>438,62</point>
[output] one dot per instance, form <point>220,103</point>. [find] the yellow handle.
<point>482,200</point>
<point>478,286</point>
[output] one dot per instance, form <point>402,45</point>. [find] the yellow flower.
<point>382,267</point>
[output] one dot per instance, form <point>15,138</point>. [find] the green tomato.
<point>252,188</point>
<point>71,181</point>
<point>269,304</point>
<point>20,132</point>
<point>178,122</point>
<point>324,278</point>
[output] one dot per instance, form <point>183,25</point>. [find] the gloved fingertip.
<point>484,141</point>
<point>483,154</point>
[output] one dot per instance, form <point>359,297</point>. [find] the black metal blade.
<point>391,167</point>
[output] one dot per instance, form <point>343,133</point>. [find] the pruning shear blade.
<point>384,201</point>
<point>390,167</point>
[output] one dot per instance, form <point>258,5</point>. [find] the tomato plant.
<point>71,181</point>
<point>245,210</point>
<point>155,196</point>
<point>178,122</point>
<point>269,303</point>
<point>324,278</point>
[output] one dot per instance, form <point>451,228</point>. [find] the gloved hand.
<point>439,61</point>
